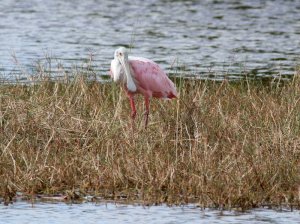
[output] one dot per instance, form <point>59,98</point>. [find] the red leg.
<point>133,109</point>
<point>147,101</point>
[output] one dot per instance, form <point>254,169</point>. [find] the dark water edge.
<point>45,73</point>
<point>113,212</point>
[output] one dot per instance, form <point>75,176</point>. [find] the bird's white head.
<point>121,54</point>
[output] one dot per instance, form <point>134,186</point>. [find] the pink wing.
<point>151,80</point>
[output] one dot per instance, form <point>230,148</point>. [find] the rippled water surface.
<point>24,212</point>
<point>193,37</point>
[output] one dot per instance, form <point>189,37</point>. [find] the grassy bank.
<point>220,144</point>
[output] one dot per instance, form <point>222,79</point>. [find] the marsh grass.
<point>220,144</point>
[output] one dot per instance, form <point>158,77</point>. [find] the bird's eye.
<point>120,54</point>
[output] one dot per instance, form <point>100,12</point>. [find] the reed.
<point>220,144</point>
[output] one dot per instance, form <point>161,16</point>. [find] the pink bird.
<point>143,76</point>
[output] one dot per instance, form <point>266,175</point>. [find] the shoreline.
<point>79,199</point>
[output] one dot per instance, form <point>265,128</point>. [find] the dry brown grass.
<point>220,144</point>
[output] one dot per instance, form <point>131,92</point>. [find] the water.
<point>24,212</point>
<point>202,38</point>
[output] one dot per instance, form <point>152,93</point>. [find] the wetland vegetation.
<point>220,144</point>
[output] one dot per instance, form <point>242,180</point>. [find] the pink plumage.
<point>150,79</point>
<point>143,76</point>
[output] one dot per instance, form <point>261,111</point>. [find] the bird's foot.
<point>133,115</point>
<point>146,119</point>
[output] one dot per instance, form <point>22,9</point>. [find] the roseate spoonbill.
<point>143,76</point>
